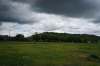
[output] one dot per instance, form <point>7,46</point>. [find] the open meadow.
<point>49,54</point>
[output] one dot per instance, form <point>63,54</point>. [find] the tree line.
<point>53,37</point>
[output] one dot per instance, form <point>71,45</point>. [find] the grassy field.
<point>49,54</point>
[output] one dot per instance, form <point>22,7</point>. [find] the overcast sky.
<point>68,16</point>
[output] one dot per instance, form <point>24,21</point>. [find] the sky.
<point>65,16</point>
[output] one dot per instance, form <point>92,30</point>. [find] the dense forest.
<point>53,37</point>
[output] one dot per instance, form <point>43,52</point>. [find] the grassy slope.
<point>47,54</point>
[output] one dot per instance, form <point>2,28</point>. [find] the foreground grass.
<point>48,54</point>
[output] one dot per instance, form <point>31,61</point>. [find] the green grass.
<point>48,54</point>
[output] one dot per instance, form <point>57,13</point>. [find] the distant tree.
<point>64,37</point>
<point>54,37</point>
<point>19,37</point>
<point>4,37</point>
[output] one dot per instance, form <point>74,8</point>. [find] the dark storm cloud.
<point>20,11</point>
<point>73,8</point>
<point>5,15</point>
<point>96,20</point>
<point>26,1</point>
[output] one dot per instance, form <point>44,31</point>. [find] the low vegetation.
<point>49,54</point>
